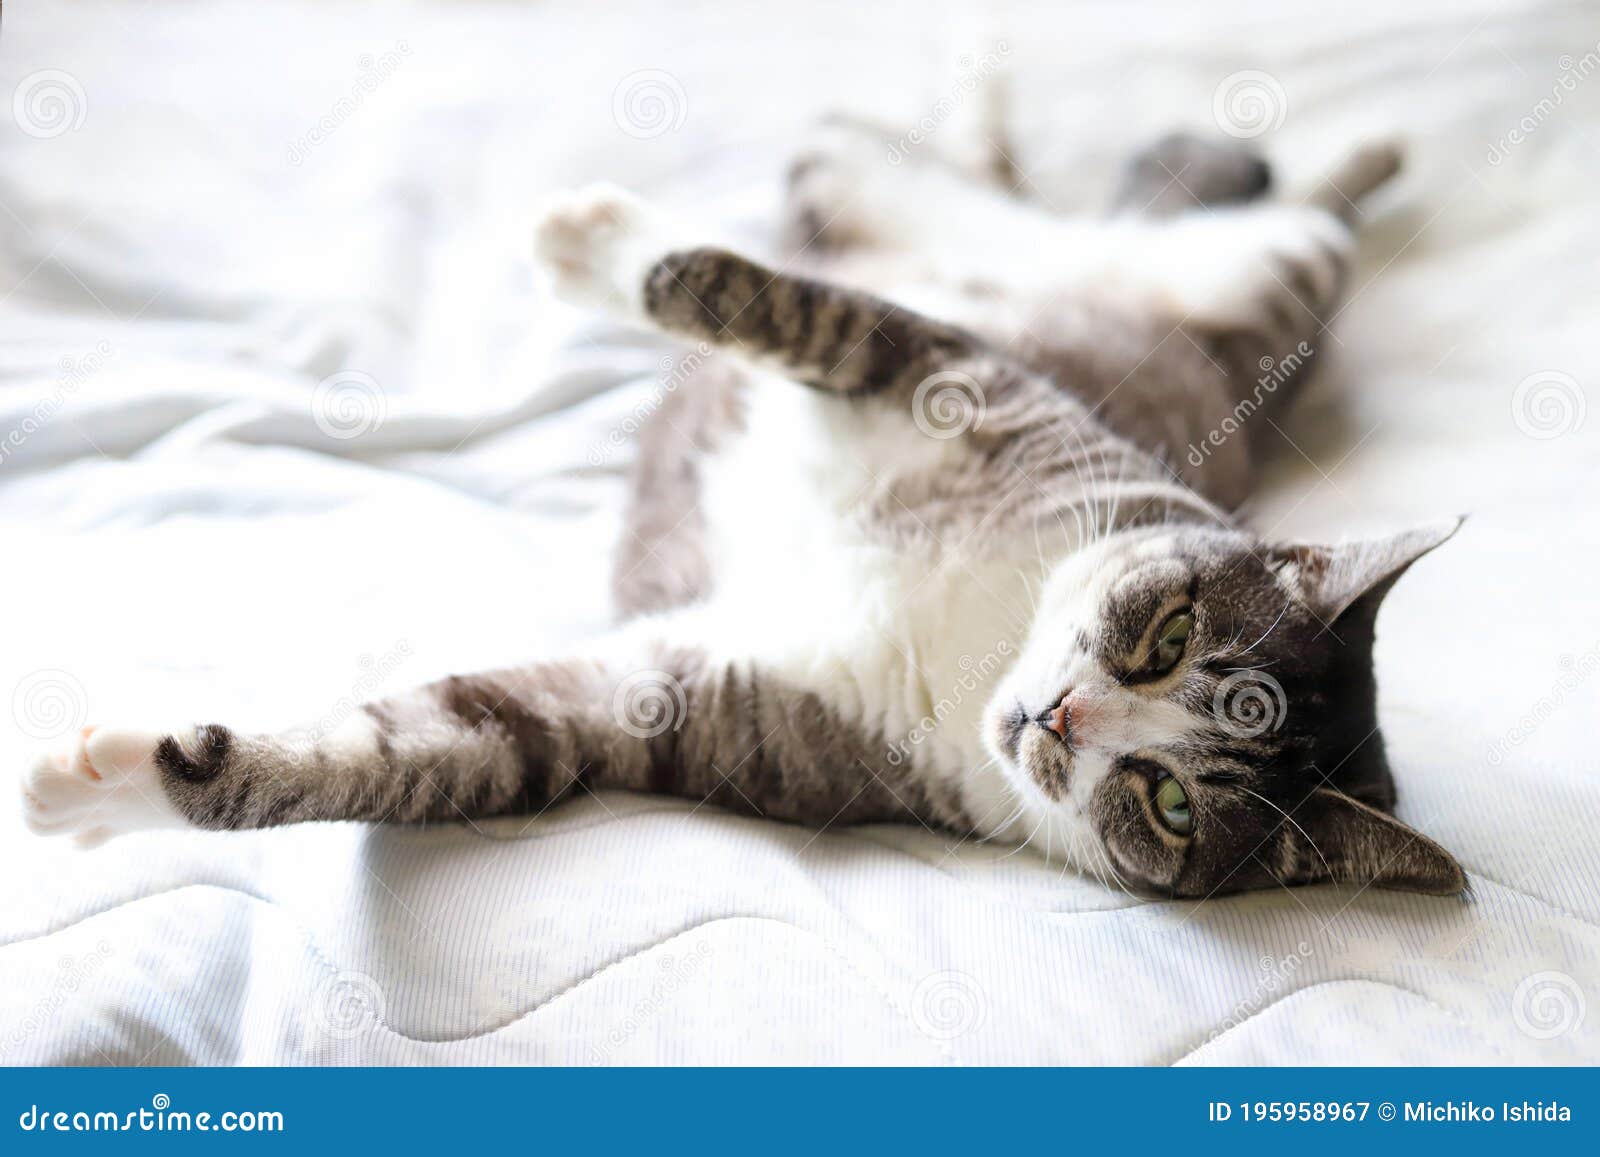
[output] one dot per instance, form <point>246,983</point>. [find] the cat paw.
<point>1183,171</point>
<point>824,202</point>
<point>99,783</point>
<point>1278,267</point>
<point>599,243</point>
<point>1371,166</point>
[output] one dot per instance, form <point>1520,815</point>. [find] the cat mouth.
<point>1048,762</point>
<point>1056,719</point>
<point>1013,727</point>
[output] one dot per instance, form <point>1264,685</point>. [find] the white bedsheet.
<point>259,196</point>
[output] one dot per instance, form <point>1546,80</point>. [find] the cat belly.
<point>910,639</point>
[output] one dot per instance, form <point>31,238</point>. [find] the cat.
<point>937,531</point>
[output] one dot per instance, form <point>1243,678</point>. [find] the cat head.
<point>1196,711</point>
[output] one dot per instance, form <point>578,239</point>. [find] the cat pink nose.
<point>1059,717</point>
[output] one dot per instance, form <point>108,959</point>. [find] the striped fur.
<point>900,548</point>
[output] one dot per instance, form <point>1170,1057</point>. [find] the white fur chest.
<point>910,639</point>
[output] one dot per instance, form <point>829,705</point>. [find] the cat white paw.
<point>98,783</point>
<point>598,244</point>
<point>1235,268</point>
<point>831,185</point>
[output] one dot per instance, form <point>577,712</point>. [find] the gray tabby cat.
<point>939,532</point>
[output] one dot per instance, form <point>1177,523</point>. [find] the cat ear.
<point>1356,844</point>
<point>1332,579</point>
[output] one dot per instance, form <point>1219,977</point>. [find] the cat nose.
<point>1057,718</point>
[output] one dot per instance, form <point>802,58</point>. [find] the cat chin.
<point>1038,809</point>
<point>1057,829</point>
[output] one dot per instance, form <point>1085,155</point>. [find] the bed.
<point>289,425</point>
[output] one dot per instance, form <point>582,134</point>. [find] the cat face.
<point>1194,713</point>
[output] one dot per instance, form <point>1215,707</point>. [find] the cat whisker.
<point>1105,857</point>
<point>1268,631</point>
<point>1328,868</point>
<point>1027,843</point>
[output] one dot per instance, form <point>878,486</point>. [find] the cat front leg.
<point>602,246</point>
<point>599,244</point>
<point>1266,267</point>
<point>665,719</point>
<point>494,743</point>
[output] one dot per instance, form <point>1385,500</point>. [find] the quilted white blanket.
<point>286,425</point>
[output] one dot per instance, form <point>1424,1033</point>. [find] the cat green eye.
<point>1171,638</point>
<point>1172,805</point>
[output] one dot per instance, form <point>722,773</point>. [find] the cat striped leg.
<point>854,184</point>
<point>1256,285</point>
<point>603,246</point>
<point>461,747</point>
<point>509,742</point>
<point>491,744</point>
